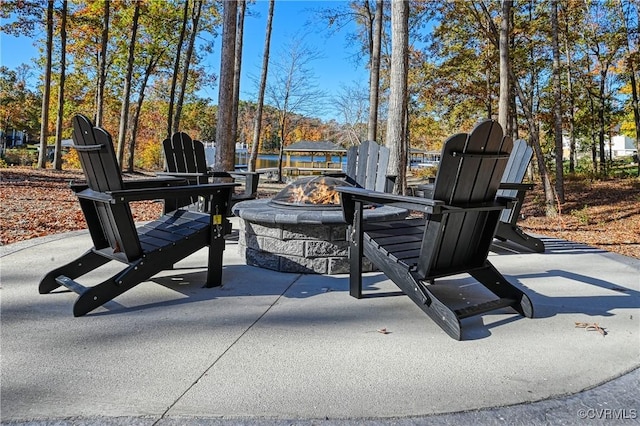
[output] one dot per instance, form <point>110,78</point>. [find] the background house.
<point>622,146</point>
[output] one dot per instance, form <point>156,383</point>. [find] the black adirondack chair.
<point>512,186</point>
<point>146,250</point>
<point>367,167</point>
<point>186,158</point>
<point>453,237</point>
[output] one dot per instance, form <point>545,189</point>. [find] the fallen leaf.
<point>591,327</point>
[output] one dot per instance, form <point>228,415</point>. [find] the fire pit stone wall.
<point>299,240</point>
<point>321,249</point>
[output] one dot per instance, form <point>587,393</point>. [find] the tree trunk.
<point>257,125</point>
<point>525,101</point>
<point>601,122</point>
<point>503,103</point>
<point>195,20</point>
<point>636,112</point>
<point>46,94</point>
<point>571,99</point>
<point>630,62</point>
<point>374,73</point>
<point>237,67</point>
<point>57,156</point>
<point>176,68</point>
<point>283,133</point>
<point>549,193</point>
<point>102,67</point>
<point>224,159</point>
<point>557,104</point>
<point>396,140</point>
<point>594,138</point>
<point>136,117</point>
<point>124,111</point>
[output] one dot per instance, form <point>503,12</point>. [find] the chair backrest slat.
<point>102,173</point>
<point>100,167</point>
<point>367,165</point>
<point>518,162</point>
<point>515,171</point>
<point>185,155</point>
<point>371,155</point>
<point>169,155</point>
<point>383,168</point>
<point>470,171</point>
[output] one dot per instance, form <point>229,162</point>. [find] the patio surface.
<point>282,348</point>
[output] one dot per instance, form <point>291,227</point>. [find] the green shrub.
<point>582,215</point>
<point>20,157</point>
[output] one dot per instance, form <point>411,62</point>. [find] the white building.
<point>242,154</point>
<point>622,145</point>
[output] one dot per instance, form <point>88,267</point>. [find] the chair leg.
<point>507,231</point>
<point>356,253</point>
<point>439,313</point>
<point>82,265</point>
<point>141,270</point>
<point>214,270</point>
<point>96,296</point>
<point>251,185</point>
<point>218,229</point>
<point>418,292</point>
<point>498,284</point>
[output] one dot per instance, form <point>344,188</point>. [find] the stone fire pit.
<point>299,238</point>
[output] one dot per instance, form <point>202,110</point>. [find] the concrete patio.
<point>283,348</point>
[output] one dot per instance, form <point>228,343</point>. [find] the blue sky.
<point>334,69</point>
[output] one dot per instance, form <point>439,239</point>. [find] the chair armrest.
<point>218,174</point>
<point>334,174</point>
<point>157,182</point>
<point>162,182</point>
<point>78,186</point>
<point>184,174</point>
<point>128,195</point>
<point>245,174</point>
<point>251,181</point>
<point>516,186</point>
<point>348,197</point>
<point>507,202</point>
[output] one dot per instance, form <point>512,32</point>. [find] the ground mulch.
<point>604,214</point>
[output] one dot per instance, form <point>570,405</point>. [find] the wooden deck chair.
<point>367,167</point>
<point>146,250</point>
<point>512,186</point>
<point>186,158</point>
<point>453,237</point>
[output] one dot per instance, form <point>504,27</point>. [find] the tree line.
<point>547,70</point>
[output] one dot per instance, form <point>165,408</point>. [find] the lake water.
<point>266,161</point>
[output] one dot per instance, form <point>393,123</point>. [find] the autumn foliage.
<point>604,214</point>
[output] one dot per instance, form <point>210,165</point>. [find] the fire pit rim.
<point>286,205</point>
<point>263,211</point>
